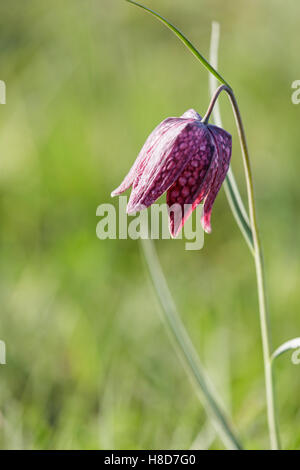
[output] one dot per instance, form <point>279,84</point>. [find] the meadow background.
<point>89,363</point>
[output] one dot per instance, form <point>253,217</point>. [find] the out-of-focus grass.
<point>88,362</point>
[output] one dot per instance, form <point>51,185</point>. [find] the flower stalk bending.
<point>259,265</point>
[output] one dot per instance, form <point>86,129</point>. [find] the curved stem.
<point>259,265</point>
<point>212,103</point>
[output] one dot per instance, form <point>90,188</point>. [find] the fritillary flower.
<point>186,158</point>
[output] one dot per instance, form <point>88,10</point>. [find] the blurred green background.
<point>89,363</point>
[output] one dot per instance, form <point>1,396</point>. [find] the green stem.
<point>258,257</point>
<point>239,212</point>
<point>251,233</point>
<point>230,186</point>
<point>186,349</point>
<point>236,205</point>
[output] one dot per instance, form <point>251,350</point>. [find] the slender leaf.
<point>231,189</point>
<point>185,40</point>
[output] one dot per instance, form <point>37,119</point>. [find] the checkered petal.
<point>166,162</point>
<point>223,143</point>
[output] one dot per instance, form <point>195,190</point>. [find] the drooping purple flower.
<point>185,157</point>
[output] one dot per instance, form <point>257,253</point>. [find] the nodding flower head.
<point>185,157</point>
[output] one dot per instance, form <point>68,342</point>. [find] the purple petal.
<point>167,159</point>
<point>193,184</point>
<point>223,142</point>
<point>139,163</point>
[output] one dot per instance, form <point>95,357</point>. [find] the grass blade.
<point>186,42</point>
<point>231,189</point>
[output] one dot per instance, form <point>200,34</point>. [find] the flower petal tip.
<point>205,221</point>
<point>174,233</point>
<point>117,192</point>
<point>130,210</point>
<point>133,208</point>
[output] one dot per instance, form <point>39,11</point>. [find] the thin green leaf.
<point>186,349</point>
<point>287,346</point>
<point>187,43</point>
